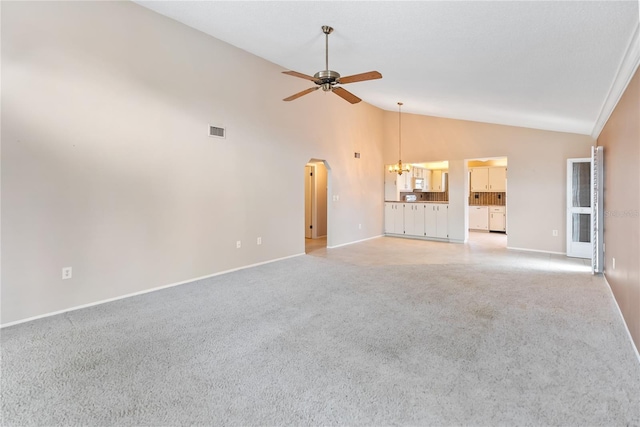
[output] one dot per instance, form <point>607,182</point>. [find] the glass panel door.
<point>579,208</point>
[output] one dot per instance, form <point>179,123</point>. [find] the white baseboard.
<point>633,344</point>
<point>146,291</point>
<point>355,241</point>
<point>536,250</point>
<point>458,240</point>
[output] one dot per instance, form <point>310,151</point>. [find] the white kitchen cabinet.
<point>498,179</point>
<point>436,220</point>
<point>488,179</point>
<point>417,172</point>
<point>442,220</point>
<point>404,182</point>
<point>394,218</point>
<point>390,186</point>
<point>497,218</point>
<point>426,175</point>
<point>479,179</point>
<point>414,219</point>
<point>479,217</point>
<point>438,181</point>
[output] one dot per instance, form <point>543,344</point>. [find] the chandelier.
<point>399,168</point>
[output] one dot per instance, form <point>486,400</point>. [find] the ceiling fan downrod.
<point>326,30</point>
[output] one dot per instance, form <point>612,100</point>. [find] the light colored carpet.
<point>320,341</point>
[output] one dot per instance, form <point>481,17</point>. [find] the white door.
<point>579,209</point>
<point>308,197</point>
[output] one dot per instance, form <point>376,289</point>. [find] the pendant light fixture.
<point>399,168</point>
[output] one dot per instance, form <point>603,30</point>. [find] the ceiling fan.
<point>328,79</point>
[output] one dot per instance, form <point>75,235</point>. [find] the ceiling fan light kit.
<point>329,80</point>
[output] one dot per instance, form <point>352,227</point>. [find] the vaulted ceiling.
<point>546,65</point>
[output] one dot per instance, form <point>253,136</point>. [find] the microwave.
<point>418,184</point>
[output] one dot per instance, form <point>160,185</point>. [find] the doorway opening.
<point>316,201</point>
<point>487,202</point>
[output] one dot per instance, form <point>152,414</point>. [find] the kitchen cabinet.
<point>394,218</point>
<point>479,179</point>
<point>436,220</point>
<point>479,217</point>
<point>497,218</point>
<point>488,179</point>
<point>438,183</point>
<point>390,186</point>
<point>404,182</point>
<point>414,219</point>
<point>417,219</point>
<point>498,179</point>
<point>417,172</point>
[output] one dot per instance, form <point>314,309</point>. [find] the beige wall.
<point>621,141</point>
<point>107,167</point>
<point>536,176</point>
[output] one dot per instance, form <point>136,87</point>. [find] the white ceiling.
<point>547,65</point>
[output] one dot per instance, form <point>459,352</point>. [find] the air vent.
<point>217,132</point>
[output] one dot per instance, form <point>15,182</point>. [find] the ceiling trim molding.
<point>627,69</point>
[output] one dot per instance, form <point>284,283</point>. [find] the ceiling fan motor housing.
<point>326,79</point>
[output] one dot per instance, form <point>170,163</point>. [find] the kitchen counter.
<point>417,201</point>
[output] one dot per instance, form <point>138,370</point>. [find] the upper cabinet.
<point>404,182</point>
<point>498,179</point>
<point>425,176</point>
<point>438,181</point>
<point>488,179</point>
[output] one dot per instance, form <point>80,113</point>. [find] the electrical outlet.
<point>554,233</point>
<point>238,244</point>
<point>613,263</point>
<point>66,272</point>
<point>359,226</point>
<point>259,242</point>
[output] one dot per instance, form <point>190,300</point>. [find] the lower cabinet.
<point>497,218</point>
<point>414,219</point>
<point>478,217</point>
<point>417,219</point>
<point>436,220</point>
<point>394,218</point>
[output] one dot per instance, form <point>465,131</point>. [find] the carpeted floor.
<point>330,340</point>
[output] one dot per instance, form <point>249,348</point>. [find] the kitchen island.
<point>418,220</point>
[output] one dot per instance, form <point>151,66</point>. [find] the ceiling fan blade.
<point>346,95</point>
<point>297,74</point>
<point>370,75</point>
<point>299,94</point>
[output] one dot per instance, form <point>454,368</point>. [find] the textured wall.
<point>621,141</point>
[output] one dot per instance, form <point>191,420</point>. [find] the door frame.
<point>313,163</point>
